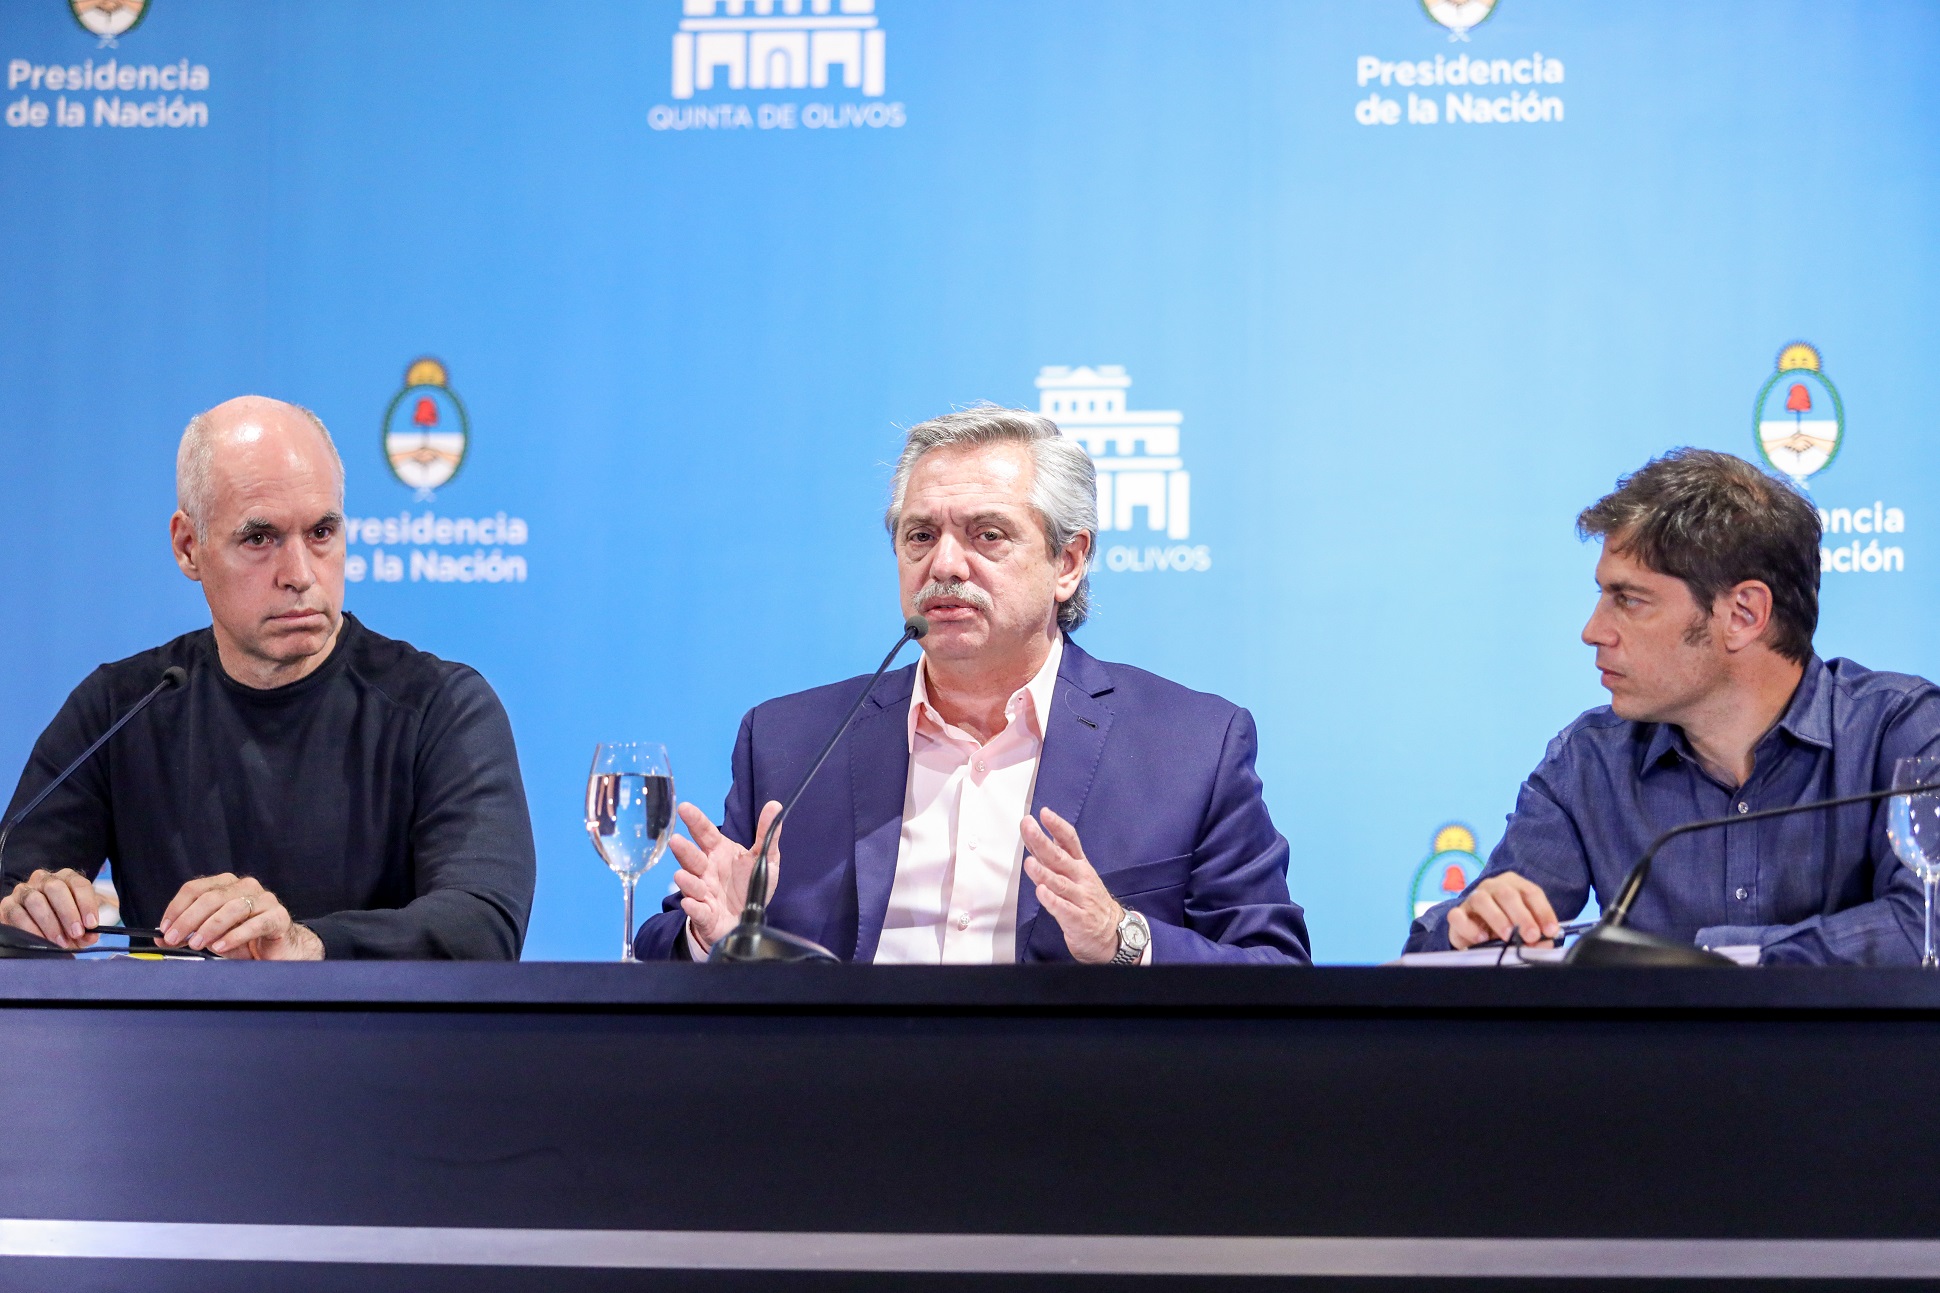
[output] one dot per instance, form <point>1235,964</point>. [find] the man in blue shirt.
<point>1709,595</point>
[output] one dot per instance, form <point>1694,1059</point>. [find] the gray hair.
<point>1064,483</point>
<point>195,462</point>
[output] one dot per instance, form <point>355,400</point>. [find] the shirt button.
<point>1743,893</point>
<point>963,920</point>
<point>971,843</point>
<point>980,768</point>
<point>1743,807</point>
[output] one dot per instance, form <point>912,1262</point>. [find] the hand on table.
<point>714,873</point>
<point>1501,904</point>
<point>235,917</point>
<point>61,906</point>
<point>1070,891</point>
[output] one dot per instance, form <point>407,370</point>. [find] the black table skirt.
<point>349,1126</point>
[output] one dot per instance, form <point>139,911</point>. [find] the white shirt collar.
<point>1038,691</point>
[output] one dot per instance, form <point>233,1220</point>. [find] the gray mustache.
<point>969,594</point>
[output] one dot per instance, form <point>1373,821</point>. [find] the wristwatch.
<point>1134,936</point>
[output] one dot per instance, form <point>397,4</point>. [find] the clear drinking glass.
<point>1913,824</point>
<point>630,813</point>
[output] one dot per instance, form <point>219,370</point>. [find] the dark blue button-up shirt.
<point>1815,888</point>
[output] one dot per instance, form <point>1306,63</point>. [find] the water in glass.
<point>1913,825</point>
<point>630,814</point>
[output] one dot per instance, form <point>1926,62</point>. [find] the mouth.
<point>293,618</point>
<point>947,609</point>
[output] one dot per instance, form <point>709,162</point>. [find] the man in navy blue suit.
<point>1009,798</point>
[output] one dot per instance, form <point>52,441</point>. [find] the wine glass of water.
<point>630,813</point>
<point>1913,824</point>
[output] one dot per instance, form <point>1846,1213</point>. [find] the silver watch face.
<point>1132,932</point>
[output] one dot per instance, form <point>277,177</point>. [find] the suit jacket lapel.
<point>1074,740</point>
<point>879,779</point>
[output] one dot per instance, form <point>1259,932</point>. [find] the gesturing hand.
<point>714,873</point>
<point>1500,904</point>
<point>61,906</point>
<point>1070,889</point>
<point>234,916</point>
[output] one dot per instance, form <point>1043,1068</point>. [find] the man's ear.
<point>1748,613</point>
<point>1071,563</point>
<point>187,548</point>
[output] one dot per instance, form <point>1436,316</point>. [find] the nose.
<point>1597,631</point>
<point>294,569</point>
<point>950,560</point>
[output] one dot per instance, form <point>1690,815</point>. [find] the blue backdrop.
<point>1374,297</point>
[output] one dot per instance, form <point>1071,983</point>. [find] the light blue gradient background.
<point>1406,355</point>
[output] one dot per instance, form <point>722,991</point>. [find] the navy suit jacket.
<point>1158,780</point>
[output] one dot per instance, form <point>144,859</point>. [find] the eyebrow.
<point>254,525</point>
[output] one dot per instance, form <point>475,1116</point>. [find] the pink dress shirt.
<point>961,856</point>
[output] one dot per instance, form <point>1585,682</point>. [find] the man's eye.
<point>323,531</point>
<point>992,536</point>
<point>256,540</point>
<point>919,536</point>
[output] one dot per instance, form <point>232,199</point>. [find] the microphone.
<point>753,939</point>
<point>1611,941</point>
<point>172,677</point>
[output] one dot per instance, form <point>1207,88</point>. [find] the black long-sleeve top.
<point>379,798</point>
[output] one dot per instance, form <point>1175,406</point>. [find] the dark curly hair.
<point>1715,521</point>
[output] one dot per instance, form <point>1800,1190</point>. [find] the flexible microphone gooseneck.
<point>753,939</point>
<point>1612,942</point>
<point>172,677</point>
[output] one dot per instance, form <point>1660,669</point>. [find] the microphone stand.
<point>754,939</point>
<point>1611,941</point>
<point>14,942</point>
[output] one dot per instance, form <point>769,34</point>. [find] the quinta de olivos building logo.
<point>763,52</point>
<point>1141,475</point>
<point>427,438</point>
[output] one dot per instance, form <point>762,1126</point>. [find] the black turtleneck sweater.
<point>379,798</point>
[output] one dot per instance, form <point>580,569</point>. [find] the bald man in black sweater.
<point>314,789</point>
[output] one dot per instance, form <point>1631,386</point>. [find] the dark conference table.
<point>566,1126</point>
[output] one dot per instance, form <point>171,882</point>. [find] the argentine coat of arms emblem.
<point>426,431</point>
<point>108,18</point>
<point>1459,16</point>
<point>1451,866</point>
<point>1799,418</point>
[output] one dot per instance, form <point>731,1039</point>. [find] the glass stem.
<point>627,882</point>
<point>1927,958</point>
